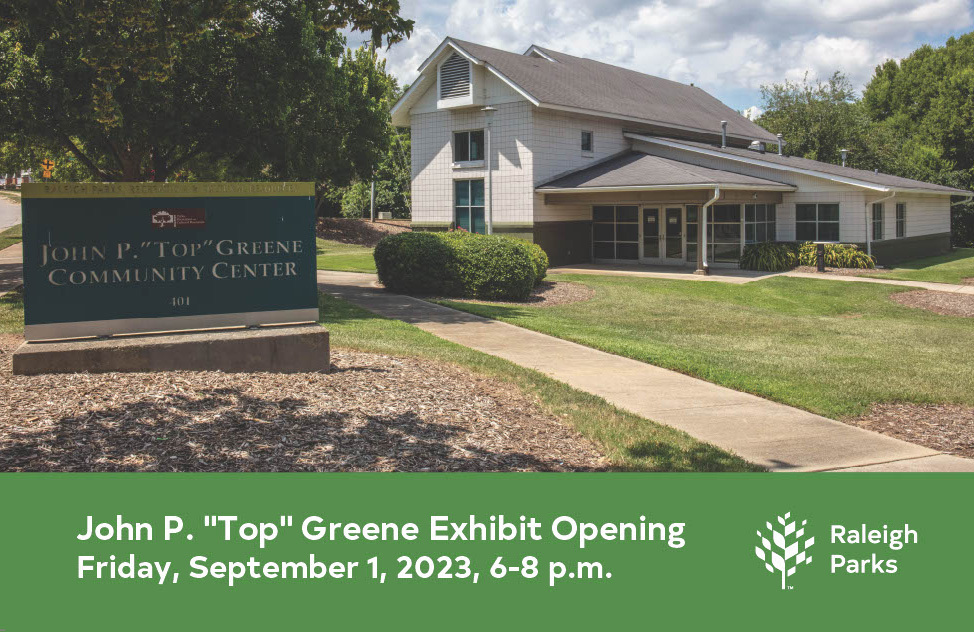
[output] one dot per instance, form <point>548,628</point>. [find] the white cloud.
<point>728,47</point>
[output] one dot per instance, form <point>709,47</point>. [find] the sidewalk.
<point>773,435</point>
<point>926,285</point>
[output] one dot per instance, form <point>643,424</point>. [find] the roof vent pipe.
<point>723,134</point>
<point>845,154</point>
<point>781,144</point>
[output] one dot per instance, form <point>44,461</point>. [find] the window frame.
<point>469,206</point>
<point>468,133</point>
<point>591,142</point>
<point>615,231</point>
<point>900,220</point>
<point>878,223</point>
<point>817,222</point>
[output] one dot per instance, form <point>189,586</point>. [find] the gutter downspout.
<point>869,218</point>
<point>703,267</point>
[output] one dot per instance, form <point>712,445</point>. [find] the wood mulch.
<point>372,413</point>
<point>945,303</point>
<point>358,231</point>
<point>547,294</point>
<point>945,427</point>
<point>839,271</point>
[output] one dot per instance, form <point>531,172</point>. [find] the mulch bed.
<point>840,271</point>
<point>358,231</point>
<point>372,413</point>
<point>945,303</point>
<point>944,427</point>
<point>548,294</point>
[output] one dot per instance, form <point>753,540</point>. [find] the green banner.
<point>468,551</point>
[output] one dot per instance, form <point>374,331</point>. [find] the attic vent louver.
<point>455,77</point>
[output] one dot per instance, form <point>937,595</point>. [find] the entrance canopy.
<point>635,171</point>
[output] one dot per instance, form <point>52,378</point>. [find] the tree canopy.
<point>247,88</point>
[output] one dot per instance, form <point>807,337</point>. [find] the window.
<point>468,146</point>
<point>455,77</point>
<point>760,223</point>
<point>724,233</point>
<point>468,199</point>
<point>900,221</point>
<point>877,221</point>
<point>615,232</point>
<point>817,222</point>
<point>587,144</point>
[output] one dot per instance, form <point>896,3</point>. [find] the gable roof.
<point>555,80</point>
<point>829,171</point>
<point>639,171</point>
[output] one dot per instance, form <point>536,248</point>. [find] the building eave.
<point>670,187</point>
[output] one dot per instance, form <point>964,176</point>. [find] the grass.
<point>334,255</point>
<point>10,237</point>
<point>828,347</point>
<point>954,267</point>
<point>630,442</point>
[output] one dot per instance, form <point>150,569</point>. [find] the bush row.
<point>780,256</point>
<point>460,264</point>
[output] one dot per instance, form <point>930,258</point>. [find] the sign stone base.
<point>289,349</point>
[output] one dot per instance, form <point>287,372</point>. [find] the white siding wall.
<point>433,172</point>
<point>925,215</point>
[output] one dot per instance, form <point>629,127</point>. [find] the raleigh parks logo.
<point>777,554</point>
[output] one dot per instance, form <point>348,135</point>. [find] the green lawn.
<point>631,442</point>
<point>949,268</point>
<point>829,347</point>
<point>334,255</point>
<point>10,236</point>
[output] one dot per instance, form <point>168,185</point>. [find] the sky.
<point>727,47</point>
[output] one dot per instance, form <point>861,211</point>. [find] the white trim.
<point>634,119</point>
<point>671,187</point>
<point>524,93</point>
<point>540,53</point>
<point>402,100</point>
<point>90,328</point>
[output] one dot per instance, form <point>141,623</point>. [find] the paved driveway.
<point>9,212</point>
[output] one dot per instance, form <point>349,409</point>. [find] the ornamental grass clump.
<point>770,256</point>
<point>836,256</point>
<point>460,264</point>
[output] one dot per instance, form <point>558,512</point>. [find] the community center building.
<point>599,163</point>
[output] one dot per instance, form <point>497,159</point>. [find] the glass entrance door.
<point>651,233</point>
<point>673,240</point>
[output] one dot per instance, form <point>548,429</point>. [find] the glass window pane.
<point>604,250</point>
<point>828,231</point>
<point>900,211</point>
<point>805,231</point>
<point>477,145</point>
<point>691,252</point>
<point>762,232</point>
<point>828,212</point>
<point>724,233</point>
<point>727,253</point>
<point>692,210</point>
<point>750,233</point>
<point>772,212</point>
<point>476,193</point>
<point>805,212</point>
<point>692,232</point>
<point>749,212</point>
<point>603,232</point>
<point>461,193</point>
<point>463,218</point>
<point>627,251</point>
<point>461,146</point>
<point>603,213</point>
<point>586,141</point>
<point>627,213</point>
<point>627,232</point>
<point>762,213</point>
<point>478,225</point>
<point>772,231</point>
<point>728,213</point>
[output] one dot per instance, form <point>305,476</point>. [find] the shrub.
<point>459,264</point>
<point>540,258</point>
<point>771,256</point>
<point>836,256</point>
<point>417,263</point>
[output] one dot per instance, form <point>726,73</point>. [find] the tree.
<point>138,91</point>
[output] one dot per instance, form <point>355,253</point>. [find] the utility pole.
<point>489,115</point>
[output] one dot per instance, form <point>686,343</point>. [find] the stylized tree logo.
<point>781,552</point>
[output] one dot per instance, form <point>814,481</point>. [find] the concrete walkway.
<point>773,435</point>
<point>926,285</point>
<point>11,268</point>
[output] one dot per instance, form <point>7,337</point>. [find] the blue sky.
<point>727,47</point>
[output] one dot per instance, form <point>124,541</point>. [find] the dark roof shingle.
<point>634,169</point>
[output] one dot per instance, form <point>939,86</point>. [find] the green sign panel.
<point>102,259</point>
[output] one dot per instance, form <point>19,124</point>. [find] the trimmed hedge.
<point>460,264</point>
<point>780,256</point>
